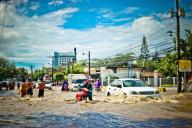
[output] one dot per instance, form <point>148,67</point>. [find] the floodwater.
<point>58,109</point>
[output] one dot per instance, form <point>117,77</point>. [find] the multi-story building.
<point>64,58</point>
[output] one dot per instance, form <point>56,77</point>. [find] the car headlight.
<point>134,93</point>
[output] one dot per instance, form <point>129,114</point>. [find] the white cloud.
<point>162,15</point>
<point>34,38</point>
<point>130,10</point>
<point>121,19</point>
<point>106,13</point>
<point>146,25</point>
<point>34,6</point>
<point>65,11</point>
<point>77,1</point>
<point>19,1</point>
<point>56,2</point>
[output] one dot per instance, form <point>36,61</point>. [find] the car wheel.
<point>124,95</point>
<point>108,94</point>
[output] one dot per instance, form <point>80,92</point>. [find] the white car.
<point>76,84</point>
<point>48,85</point>
<point>131,87</point>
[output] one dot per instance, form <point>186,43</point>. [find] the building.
<point>64,58</point>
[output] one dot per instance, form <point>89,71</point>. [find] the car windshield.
<point>47,82</point>
<point>79,81</point>
<point>133,83</point>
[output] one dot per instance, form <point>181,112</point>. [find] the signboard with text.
<point>185,65</point>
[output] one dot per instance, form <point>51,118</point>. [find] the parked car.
<point>48,85</point>
<point>131,87</point>
<point>76,84</point>
<point>4,84</point>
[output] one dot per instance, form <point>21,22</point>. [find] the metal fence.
<point>168,81</point>
<point>171,81</point>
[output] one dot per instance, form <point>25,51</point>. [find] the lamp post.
<point>178,13</point>
<point>89,61</point>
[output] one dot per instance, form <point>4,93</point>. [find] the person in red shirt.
<point>41,88</point>
<point>30,88</point>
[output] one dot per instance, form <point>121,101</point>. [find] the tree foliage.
<point>38,74</point>
<point>7,69</point>
<point>186,45</point>
<point>58,76</point>
<point>117,60</point>
<point>22,73</point>
<point>150,65</point>
<point>144,49</point>
<point>167,65</point>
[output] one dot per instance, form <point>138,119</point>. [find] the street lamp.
<point>178,13</point>
<point>89,60</point>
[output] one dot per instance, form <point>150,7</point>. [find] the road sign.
<point>185,65</point>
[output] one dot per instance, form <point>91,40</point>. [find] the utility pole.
<point>178,13</point>
<point>178,45</point>
<point>89,62</point>
<point>31,71</point>
<point>52,70</point>
<point>89,59</point>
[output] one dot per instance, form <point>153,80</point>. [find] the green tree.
<point>144,49</point>
<point>7,69</point>
<point>117,60</point>
<point>150,65</point>
<point>77,68</point>
<point>38,74</point>
<point>167,65</point>
<point>186,45</point>
<point>58,76</point>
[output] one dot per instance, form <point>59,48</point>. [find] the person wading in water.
<point>41,88</point>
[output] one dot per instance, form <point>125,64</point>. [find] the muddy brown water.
<point>58,109</point>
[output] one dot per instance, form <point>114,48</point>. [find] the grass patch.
<point>167,85</point>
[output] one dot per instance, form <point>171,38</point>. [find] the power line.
<point>137,48</point>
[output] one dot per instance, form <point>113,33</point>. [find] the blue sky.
<point>34,29</point>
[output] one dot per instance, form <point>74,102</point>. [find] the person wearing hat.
<point>89,87</point>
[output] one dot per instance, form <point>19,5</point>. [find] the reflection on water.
<point>88,120</point>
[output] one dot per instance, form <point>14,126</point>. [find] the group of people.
<point>27,88</point>
<point>88,88</point>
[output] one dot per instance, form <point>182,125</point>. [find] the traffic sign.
<point>185,65</point>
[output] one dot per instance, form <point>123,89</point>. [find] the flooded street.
<point>59,109</point>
